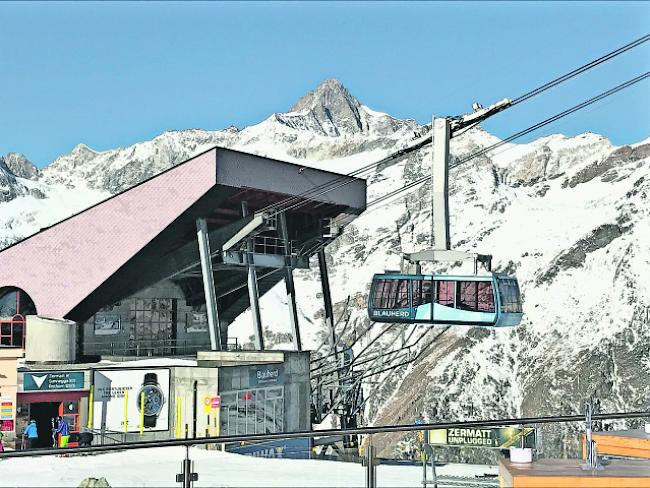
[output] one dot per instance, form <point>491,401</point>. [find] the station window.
<point>15,304</point>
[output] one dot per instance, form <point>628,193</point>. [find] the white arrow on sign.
<point>39,380</point>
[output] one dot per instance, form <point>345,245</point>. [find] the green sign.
<point>491,437</point>
<point>53,380</point>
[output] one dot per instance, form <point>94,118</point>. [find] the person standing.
<point>63,430</point>
<point>31,434</point>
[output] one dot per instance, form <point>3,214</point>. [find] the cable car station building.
<point>162,269</point>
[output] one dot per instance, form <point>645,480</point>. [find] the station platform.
<point>549,473</point>
<point>628,443</point>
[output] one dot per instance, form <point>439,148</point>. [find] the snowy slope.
<point>567,215</point>
<point>158,467</point>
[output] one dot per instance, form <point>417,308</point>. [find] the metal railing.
<point>272,245</point>
<point>382,429</point>
<point>150,348</point>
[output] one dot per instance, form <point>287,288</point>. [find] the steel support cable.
<point>524,132</point>
<point>364,349</point>
<point>357,383</point>
<point>426,141</point>
<point>367,360</point>
<point>378,429</point>
<point>297,201</point>
<point>341,398</point>
<point>409,361</point>
<point>364,375</point>
<point>357,339</point>
<point>338,321</point>
<point>580,70</point>
<point>395,155</point>
<point>372,341</point>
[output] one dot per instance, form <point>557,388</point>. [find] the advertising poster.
<point>112,403</point>
<point>107,323</point>
<point>6,414</point>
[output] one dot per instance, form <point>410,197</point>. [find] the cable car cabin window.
<point>403,294</point>
<point>380,293</point>
<point>391,294</point>
<point>422,292</point>
<point>467,296</point>
<point>509,295</point>
<point>445,293</point>
<point>485,297</point>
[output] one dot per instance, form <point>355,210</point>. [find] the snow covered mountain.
<point>569,216</point>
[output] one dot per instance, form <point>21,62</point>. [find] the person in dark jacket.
<point>63,430</point>
<point>31,434</point>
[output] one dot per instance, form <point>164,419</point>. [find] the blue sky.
<point>113,74</point>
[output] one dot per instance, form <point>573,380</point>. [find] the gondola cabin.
<point>483,301</point>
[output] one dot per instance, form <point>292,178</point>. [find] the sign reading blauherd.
<point>53,380</point>
<point>271,374</point>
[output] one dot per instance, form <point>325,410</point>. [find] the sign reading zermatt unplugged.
<point>495,437</point>
<point>111,399</point>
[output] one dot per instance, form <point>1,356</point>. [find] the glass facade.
<point>252,411</point>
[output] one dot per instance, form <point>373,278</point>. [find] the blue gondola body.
<point>484,301</point>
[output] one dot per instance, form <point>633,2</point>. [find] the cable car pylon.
<point>442,130</point>
<point>480,301</point>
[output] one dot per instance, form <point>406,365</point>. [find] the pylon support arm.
<point>448,255</point>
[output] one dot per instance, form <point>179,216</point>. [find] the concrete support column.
<point>208,285</point>
<point>288,280</point>
<point>327,298</point>
<point>253,292</point>
<point>440,183</point>
<point>329,317</point>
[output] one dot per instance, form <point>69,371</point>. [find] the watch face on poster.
<point>148,399</point>
<point>153,400</point>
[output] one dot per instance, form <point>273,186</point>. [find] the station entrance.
<point>44,413</point>
<point>44,408</point>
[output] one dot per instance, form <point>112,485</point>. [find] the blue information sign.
<point>53,380</point>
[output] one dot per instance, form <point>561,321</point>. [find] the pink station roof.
<point>59,266</point>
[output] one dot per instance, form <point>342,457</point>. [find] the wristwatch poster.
<point>154,399</point>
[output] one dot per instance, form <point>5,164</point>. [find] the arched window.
<point>15,304</point>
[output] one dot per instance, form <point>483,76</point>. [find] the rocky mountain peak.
<point>20,166</point>
<point>331,110</point>
<point>82,150</point>
<point>329,94</point>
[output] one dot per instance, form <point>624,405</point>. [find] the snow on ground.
<point>158,467</point>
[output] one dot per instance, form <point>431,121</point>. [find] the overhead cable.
<point>581,69</point>
<point>517,135</point>
<point>297,201</point>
